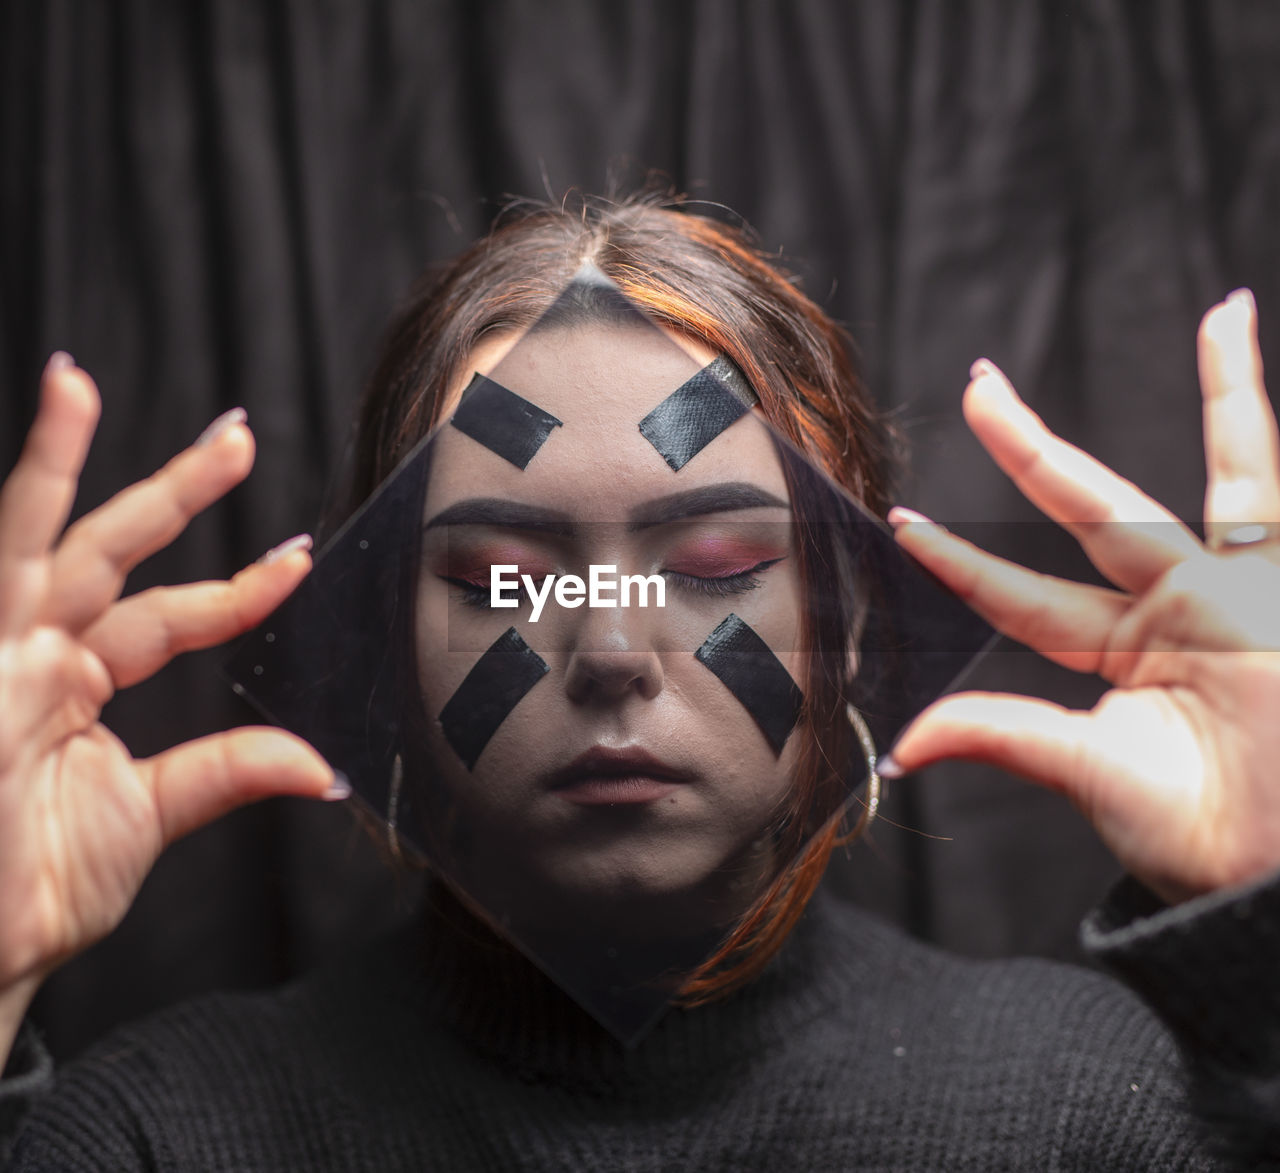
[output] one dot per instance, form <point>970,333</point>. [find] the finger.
<point>1068,622</point>
<point>37,496</point>
<point>100,549</point>
<point>137,637</point>
<point>198,781</point>
<point>1126,535</point>
<point>1034,738</point>
<point>1242,452</point>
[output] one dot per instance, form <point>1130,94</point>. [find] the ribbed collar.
<point>465,978</point>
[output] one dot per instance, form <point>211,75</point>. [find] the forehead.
<point>600,381</point>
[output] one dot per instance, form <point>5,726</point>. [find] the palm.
<point>81,821</point>
<point>1145,754</point>
<point>1173,765</point>
<point>79,836</point>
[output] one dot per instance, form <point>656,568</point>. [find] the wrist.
<point>15,1001</point>
<point>1205,966</point>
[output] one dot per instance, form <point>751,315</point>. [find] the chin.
<point>623,887</point>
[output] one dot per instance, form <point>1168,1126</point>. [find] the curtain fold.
<point>214,203</point>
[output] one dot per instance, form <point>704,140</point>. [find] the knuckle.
<point>1224,602</point>
<point>1184,595</point>
<point>48,651</point>
<point>49,685</point>
<point>1040,610</point>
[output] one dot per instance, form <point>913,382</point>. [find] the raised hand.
<point>81,821</point>
<point>1178,765</point>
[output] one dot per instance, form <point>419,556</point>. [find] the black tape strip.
<point>748,668</point>
<point>497,683</point>
<point>697,411</point>
<point>504,423</point>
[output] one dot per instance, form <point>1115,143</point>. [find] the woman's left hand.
<point>1178,765</point>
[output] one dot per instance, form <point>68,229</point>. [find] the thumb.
<point>196,782</point>
<point>1034,738</point>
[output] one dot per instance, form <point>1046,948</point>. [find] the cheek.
<point>449,642</point>
<point>446,659</point>
<point>519,751</point>
<point>784,634</point>
<point>431,631</point>
<point>781,780</point>
<point>777,606</point>
<point>775,612</point>
<point>753,783</point>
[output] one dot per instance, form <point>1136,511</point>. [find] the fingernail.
<point>980,368</point>
<point>887,767</point>
<point>228,419</point>
<point>59,360</point>
<point>339,788</point>
<point>1243,296</point>
<point>284,549</point>
<point>901,515</point>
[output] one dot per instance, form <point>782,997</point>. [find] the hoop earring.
<point>393,804</point>
<point>872,802</point>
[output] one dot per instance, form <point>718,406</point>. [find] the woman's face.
<point>629,771</point>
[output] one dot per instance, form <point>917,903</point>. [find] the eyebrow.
<point>723,498</point>
<point>502,514</point>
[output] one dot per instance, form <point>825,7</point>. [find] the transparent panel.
<point>591,652</point>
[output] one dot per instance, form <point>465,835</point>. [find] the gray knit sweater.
<point>857,1049</point>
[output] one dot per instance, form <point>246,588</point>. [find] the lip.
<point>617,777</point>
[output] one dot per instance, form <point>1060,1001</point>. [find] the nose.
<point>613,658</point>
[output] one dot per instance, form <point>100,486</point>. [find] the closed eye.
<point>479,594</point>
<point>721,585</point>
<point>471,593</point>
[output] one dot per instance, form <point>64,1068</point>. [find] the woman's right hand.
<point>81,821</point>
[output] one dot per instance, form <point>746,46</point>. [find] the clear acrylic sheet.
<point>610,787</point>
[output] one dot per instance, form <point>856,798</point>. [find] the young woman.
<point>824,1041</point>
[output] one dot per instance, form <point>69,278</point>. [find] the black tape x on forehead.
<point>497,683</point>
<point>748,668</point>
<point>502,421</point>
<point>697,411</point>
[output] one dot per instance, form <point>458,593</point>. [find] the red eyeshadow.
<point>476,566</point>
<point>720,557</point>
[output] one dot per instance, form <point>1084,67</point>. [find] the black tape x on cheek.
<point>498,682</point>
<point>696,412</point>
<point>506,424</point>
<point>748,668</point>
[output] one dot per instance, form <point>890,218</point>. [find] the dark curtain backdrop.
<point>214,204</point>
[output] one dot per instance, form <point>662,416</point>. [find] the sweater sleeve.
<point>27,1076</point>
<point>1210,969</point>
<point>51,1122</point>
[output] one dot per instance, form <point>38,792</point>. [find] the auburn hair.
<point>706,279</point>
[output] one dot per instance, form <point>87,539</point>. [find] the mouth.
<point>617,777</point>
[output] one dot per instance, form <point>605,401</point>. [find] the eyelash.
<point>732,584</point>
<point>472,595</point>
<point>729,585</point>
